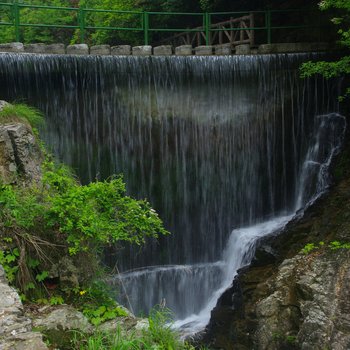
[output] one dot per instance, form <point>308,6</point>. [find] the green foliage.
<point>308,248</point>
<point>72,218</point>
<point>160,330</point>
<point>54,17</point>
<point>50,17</point>
<point>291,339</point>
<point>56,300</point>
<point>8,260</point>
<point>333,245</point>
<point>103,313</point>
<point>20,207</point>
<point>107,19</point>
<point>21,113</point>
<point>58,217</point>
<point>99,213</point>
<point>340,67</point>
<point>107,341</point>
<point>40,277</point>
<point>158,336</point>
<point>78,219</point>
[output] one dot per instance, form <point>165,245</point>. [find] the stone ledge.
<point>164,50</point>
<point>292,47</point>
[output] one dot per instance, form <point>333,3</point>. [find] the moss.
<point>60,339</point>
<point>21,113</point>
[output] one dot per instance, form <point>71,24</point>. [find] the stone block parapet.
<point>223,50</point>
<point>144,50</point>
<point>78,49</point>
<point>12,47</point>
<point>184,50</point>
<point>292,47</point>
<point>203,50</point>
<point>121,50</point>
<point>163,50</point>
<point>243,49</point>
<point>100,50</point>
<point>58,49</point>
<point>35,48</point>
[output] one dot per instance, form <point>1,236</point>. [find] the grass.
<point>21,113</point>
<point>104,341</point>
<point>158,336</point>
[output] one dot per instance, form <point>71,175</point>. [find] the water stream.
<point>226,149</point>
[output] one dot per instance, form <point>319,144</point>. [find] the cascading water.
<point>214,143</point>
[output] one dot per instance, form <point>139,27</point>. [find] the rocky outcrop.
<point>309,308</point>
<point>20,154</point>
<point>289,299</point>
<point>60,324</point>
<point>20,165</point>
<point>15,328</point>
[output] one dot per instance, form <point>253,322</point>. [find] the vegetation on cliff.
<point>341,67</point>
<point>57,224</point>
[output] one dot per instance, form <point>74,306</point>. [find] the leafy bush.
<point>97,214</point>
<point>63,214</point>
<point>339,67</point>
<point>333,245</point>
<point>59,217</point>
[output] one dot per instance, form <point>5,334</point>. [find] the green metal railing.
<point>143,21</point>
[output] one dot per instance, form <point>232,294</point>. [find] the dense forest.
<point>132,18</point>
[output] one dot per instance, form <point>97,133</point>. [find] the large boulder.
<point>15,328</point>
<point>310,303</point>
<point>20,155</point>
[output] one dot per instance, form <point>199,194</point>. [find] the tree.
<point>340,67</point>
<point>32,34</point>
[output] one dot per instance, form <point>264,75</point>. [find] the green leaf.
<point>41,276</point>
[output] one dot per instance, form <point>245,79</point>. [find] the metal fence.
<point>264,23</point>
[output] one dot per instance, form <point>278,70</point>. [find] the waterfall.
<point>226,149</point>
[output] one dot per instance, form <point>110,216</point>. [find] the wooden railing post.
<point>207,28</point>
<point>241,31</point>
<point>252,31</point>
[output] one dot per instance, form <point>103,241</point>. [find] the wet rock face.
<point>288,299</point>
<point>19,154</point>
<point>309,308</point>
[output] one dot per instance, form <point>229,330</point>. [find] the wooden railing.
<point>234,31</point>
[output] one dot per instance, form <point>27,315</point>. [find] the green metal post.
<point>146,27</point>
<point>268,25</point>
<point>81,22</point>
<point>207,28</point>
<point>16,18</point>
